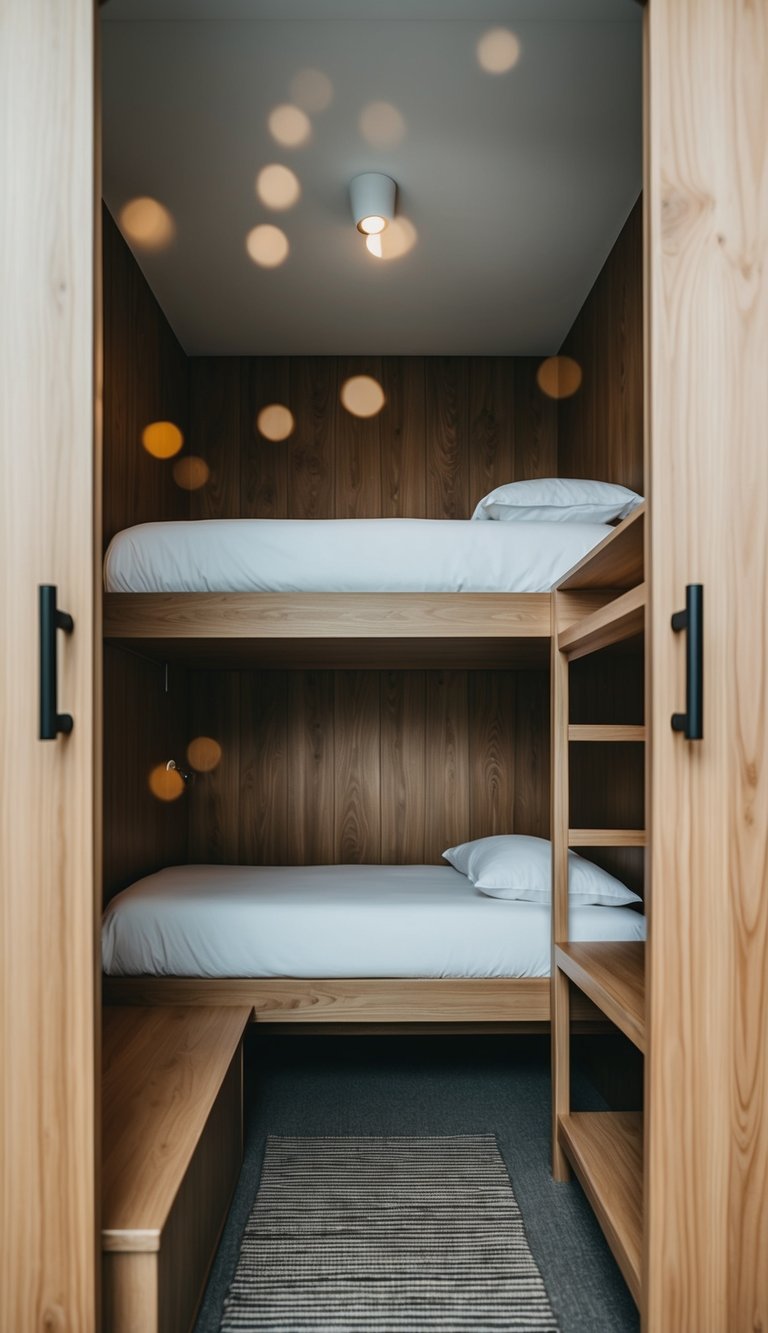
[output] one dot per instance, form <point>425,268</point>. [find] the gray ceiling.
<point>517,184</point>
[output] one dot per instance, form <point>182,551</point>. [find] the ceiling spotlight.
<point>373,202</point>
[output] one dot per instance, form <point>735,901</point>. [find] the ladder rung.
<point>608,732</point>
<point>606,837</point>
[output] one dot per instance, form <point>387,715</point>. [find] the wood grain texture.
<point>215,426</point>
<point>49,811</point>
<point>707,1066</point>
<point>612,973</point>
<point>365,766</point>
<point>452,428</point>
<point>403,766</point>
<point>356,1001</point>
<point>141,832</point>
<point>620,619</point>
<point>600,428</point>
<point>606,1151</point>
<point>357,771</point>
<point>559,822</point>
<point>212,801</point>
<point>402,437</point>
<point>162,1072</point>
<point>265,465</point>
<point>145,380</point>
<point>619,560</point>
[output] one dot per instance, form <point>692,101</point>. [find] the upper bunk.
<point>404,630</point>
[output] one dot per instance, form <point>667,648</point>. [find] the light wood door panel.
<point>707,1023</point>
<point>48,980</point>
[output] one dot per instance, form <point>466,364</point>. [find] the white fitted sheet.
<point>345,555</point>
<point>334,921</point>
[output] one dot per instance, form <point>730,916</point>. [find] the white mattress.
<point>345,555</point>
<point>335,921</point>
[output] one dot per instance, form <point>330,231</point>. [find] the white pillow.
<point>558,500</point>
<point>512,865</point>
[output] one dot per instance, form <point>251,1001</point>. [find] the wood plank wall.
<point>145,380</point>
<point>365,766</point>
<point>451,429</point>
<point>600,428</point>
<point>143,727</point>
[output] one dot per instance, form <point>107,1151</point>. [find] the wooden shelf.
<point>605,1149</point>
<point>609,732</point>
<point>612,974</point>
<point>616,563</point>
<point>606,837</point>
<point>356,630</point>
<point>620,619</point>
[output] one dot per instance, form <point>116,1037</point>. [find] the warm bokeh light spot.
<point>312,90</point>
<point>559,376</point>
<point>289,125</point>
<point>398,238</point>
<point>277,186</point>
<point>204,754</point>
<point>147,223</point>
<point>382,125</point>
<point>166,784</point>
<point>267,245</point>
<point>191,472</point>
<point>275,422</point>
<point>498,51</point>
<point>362,395</point>
<point>162,439</point>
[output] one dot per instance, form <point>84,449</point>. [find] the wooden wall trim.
<point>600,428</point>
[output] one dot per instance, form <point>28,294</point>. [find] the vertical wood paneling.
<point>403,766</point>
<point>357,481</point>
<point>265,463</point>
<point>215,412</point>
<point>312,447</point>
<point>492,712</point>
<point>535,424</point>
<point>311,768</point>
<point>141,833</point>
<point>145,380</point>
<point>402,438</point>
<point>264,817</point>
<point>447,762</point>
<point>532,754</point>
<point>491,413</point>
<point>357,774</point>
<point>447,445</point>
<point>214,798</point>
<point>600,428</point>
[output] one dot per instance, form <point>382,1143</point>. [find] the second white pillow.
<point>516,866</point>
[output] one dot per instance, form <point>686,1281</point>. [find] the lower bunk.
<point>402,947</point>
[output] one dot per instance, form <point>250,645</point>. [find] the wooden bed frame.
<point>494,1003</point>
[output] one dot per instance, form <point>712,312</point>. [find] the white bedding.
<point>335,921</point>
<point>345,555</point>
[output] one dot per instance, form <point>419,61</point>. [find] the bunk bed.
<point>404,630</point>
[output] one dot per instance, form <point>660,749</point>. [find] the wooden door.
<point>707,267</point>
<point>48,978</point>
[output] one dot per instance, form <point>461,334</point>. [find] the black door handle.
<point>51,620</point>
<point>691,722</point>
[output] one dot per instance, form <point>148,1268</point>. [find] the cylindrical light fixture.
<point>373,202</point>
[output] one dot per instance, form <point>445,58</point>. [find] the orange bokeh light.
<point>559,376</point>
<point>162,439</point>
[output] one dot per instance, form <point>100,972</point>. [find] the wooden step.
<point>612,974</point>
<point>605,732</point>
<point>171,1153</point>
<point>618,562</point>
<point>605,1149</point>
<point>606,837</point>
<point>622,618</point>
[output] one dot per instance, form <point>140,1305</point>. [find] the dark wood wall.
<point>332,767</point>
<point>145,380</point>
<point>143,727</point>
<point>600,428</point>
<point>451,429</point>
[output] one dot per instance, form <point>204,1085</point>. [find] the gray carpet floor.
<point>440,1085</point>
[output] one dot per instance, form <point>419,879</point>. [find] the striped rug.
<point>390,1235</point>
